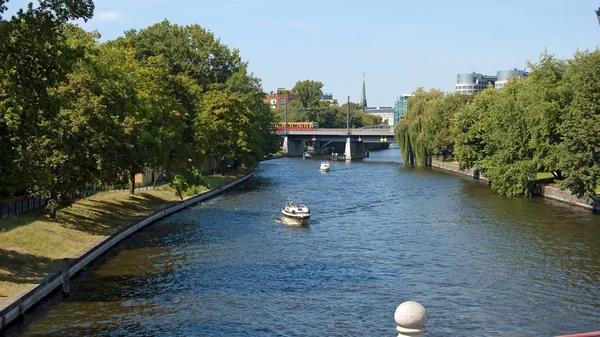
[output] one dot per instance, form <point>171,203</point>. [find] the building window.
<point>470,87</point>
<point>292,98</point>
<point>282,100</point>
<point>470,91</point>
<point>282,106</point>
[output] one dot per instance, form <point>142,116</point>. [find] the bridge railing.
<point>341,131</point>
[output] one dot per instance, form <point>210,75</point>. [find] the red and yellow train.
<point>297,126</point>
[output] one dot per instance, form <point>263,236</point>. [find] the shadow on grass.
<point>103,217</point>
<point>22,219</point>
<point>25,268</point>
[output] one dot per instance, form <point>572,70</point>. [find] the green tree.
<point>508,153</point>
<point>512,134</point>
<point>410,132</point>
<point>224,130</point>
<point>438,123</point>
<point>249,89</point>
<point>544,98</point>
<point>580,128</point>
<point>309,92</point>
<point>470,144</point>
<point>34,57</point>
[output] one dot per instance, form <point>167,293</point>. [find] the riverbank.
<point>33,246</point>
<point>540,189</point>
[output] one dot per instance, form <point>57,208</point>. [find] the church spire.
<point>363,98</point>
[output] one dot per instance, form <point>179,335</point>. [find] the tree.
<point>249,89</point>
<point>34,57</point>
<point>70,156</point>
<point>512,134</point>
<point>544,98</point>
<point>224,129</point>
<point>470,121</point>
<point>308,92</point>
<point>438,124</point>
<point>410,133</point>
<point>580,128</point>
<point>508,152</point>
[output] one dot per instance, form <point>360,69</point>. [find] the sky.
<point>398,45</point>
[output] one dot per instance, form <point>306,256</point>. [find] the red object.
<point>314,139</point>
<point>587,334</point>
<point>359,139</point>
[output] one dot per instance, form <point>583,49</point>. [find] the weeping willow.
<point>409,134</point>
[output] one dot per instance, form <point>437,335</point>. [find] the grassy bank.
<point>32,244</point>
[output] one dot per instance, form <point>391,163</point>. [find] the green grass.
<point>32,244</point>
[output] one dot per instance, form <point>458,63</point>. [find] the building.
<point>474,82</point>
<point>505,75</point>
<point>385,112</point>
<point>327,97</point>
<point>400,107</point>
<point>363,97</point>
<point>280,98</point>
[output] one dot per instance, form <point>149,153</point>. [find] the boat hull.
<point>293,221</point>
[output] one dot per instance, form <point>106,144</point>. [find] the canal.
<point>381,234</point>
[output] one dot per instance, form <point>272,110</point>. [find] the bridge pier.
<point>354,150</point>
<point>293,147</point>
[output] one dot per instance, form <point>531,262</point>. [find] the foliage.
<point>224,129</point>
<point>188,183</point>
<point>75,112</point>
<point>309,92</point>
<point>34,57</point>
<point>469,121</point>
<point>411,133</point>
<point>580,128</point>
<point>512,134</point>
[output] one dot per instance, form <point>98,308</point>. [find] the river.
<point>380,234</point>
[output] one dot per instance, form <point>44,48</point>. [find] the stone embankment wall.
<point>543,190</point>
<point>556,193</point>
<point>16,305</point>
<point>454,167</point>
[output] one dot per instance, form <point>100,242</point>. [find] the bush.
<point>189,183</point>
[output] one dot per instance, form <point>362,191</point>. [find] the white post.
<point>411,318</point>
<point>348,152</point>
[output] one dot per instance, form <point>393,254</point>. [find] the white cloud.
<point>108,15</point>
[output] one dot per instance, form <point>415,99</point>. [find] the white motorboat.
<point>324,167</point>
<point>295,215</point>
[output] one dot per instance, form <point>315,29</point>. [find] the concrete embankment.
<point>542,190</point>
<point>454,167</point>
<point>16,305</point>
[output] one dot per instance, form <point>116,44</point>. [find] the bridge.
<point>293,142</point>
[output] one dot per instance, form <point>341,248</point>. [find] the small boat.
<point>295,215</point>
<point>324,167</point>
<point>306,155</point>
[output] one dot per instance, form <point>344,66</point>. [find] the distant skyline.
<point>399,45</point>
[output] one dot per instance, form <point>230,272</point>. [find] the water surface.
<point>381,234</point>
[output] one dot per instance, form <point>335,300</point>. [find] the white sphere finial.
<point>411,318</point>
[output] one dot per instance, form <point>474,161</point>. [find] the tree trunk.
<point>132,182</point>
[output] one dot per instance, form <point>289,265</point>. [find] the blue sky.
<point>399,45</point>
